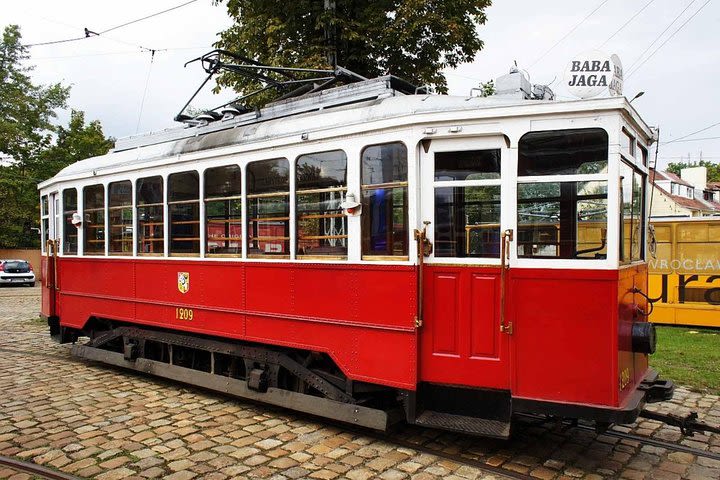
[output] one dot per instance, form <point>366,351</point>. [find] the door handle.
<point>424,249</point>
<point>505,239</point>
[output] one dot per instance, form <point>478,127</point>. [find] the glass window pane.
<point>563,152</point>
<point>470,165</point>
<point>321,186</point>
<point>321,170</point>
<point>150,216</point>
<point>183,187</point>
<point>70,233</point>
<point>384,218</point>
<point>562,220</point>
<point>223,211</point>
<point>384,164</point>
<point>627,143</point>
<point>150,191</point>
<point>268,210</point>
<point>268,176</point>
<point>120,217</point>
<point>184,228</point>
<point>643,154</point>
<point>638,218</point>
<point>467,221</point>
<point>94,221</point>
<point>626,181</point>
<point>120,194</point>
<point>223,181</point>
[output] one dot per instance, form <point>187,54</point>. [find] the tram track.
<point>37,471</point>
<point>395,437</point>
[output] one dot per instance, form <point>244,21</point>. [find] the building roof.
<point>713,186</point>
<point>669,176</point>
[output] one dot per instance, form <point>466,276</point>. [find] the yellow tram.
<point>684,276</point>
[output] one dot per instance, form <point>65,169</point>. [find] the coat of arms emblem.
<point>183,282</point>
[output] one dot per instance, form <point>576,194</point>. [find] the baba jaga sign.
<point>594,73</point>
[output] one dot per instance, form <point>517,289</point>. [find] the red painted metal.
<point>362,316</point>
<point>460,342</point>
<point>570,338</point>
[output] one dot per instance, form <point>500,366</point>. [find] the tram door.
<point>50,229</point>
<point>462,340</point>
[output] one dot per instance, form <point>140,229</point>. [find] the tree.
<point>413,39</point>
<point>713,169</point>
<point>39,149</point>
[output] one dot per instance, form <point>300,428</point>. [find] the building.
<point>687,195</point>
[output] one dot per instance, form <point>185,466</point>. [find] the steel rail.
<point>655,443</point>
<point>34,469</point>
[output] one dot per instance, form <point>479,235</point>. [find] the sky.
<point>130,90</point>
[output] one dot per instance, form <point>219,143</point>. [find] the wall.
<point>32,256</point>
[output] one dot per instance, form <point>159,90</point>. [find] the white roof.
<point>401,110</point>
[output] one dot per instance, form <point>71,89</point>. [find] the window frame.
<point>112,208</point>
<point>140,228</point>
<point>494,182</point>
<point>387,186</point>
<point>249,196</point>
<point>227,220</point>
<point>169,204</point>
<point>68,226</point>
<point>297,192</point>
<point>578,262</point>
<point>86,225</point>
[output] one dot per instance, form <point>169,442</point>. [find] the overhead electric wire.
<point>149,16</point>
<point>693,133</point>
<point>627,23</point>
<point>694,139</point>
<point>661,34</point>
<point>94,34</point>
<point>668,39</point>
<point>568,33</point>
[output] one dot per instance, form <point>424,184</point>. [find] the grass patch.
<point>689,356</point>
<point>38,321</point>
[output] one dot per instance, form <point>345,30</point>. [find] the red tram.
<point>370,254</point>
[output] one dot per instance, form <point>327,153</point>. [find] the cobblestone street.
<point>96,422</point>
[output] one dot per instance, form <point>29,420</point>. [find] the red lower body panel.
<point>362,316</point>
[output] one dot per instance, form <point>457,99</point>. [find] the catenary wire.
<point>90,34</point>
<point>694,133</point>
<point>661,34</point>
<point>626,23</point>
<point>568,33</point>
<point>669,38</point>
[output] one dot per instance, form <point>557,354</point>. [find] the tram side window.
<point>385,200</point>
<point>223,211</point>
<point>562,219</point>
<point>632,224</point>
<point>94,222</point>
<point>184,213</point>
<point>321,184</point>
<point>45,221</point>
<point>467,215</point>
<point>150,216</point>
<point>70,232</point>
<point>120,216</point>
<point>268,210</point>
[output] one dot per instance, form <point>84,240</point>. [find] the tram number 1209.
<point>183,313</point>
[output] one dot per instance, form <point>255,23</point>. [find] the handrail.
<point>505,239</point>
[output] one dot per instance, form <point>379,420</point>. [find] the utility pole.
<point>331,35</point>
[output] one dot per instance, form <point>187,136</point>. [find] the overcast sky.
<point>109,73</point>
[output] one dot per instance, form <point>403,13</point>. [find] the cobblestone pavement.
<point>92,421</point>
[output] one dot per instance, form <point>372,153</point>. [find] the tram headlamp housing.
<point>644,338</point>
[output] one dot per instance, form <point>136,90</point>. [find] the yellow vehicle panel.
<point>684,276</point>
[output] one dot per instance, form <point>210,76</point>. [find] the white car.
<point>16,272</point>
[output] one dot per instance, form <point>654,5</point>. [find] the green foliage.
<point>713,169</point>
<point>39,149</point>
<point>413,39</point>
<point>487,88</point>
